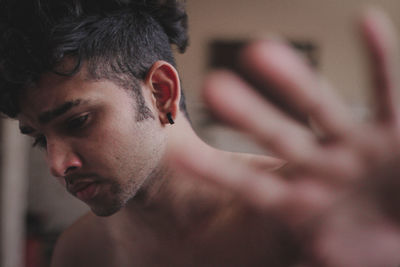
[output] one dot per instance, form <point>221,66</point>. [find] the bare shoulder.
<point>77,243</point>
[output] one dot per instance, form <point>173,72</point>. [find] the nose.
<point>61,158</point>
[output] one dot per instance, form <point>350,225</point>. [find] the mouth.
<point>85,190</point>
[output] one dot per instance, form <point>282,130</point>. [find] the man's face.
<point>91,138</point>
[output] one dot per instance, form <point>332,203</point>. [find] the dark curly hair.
<point>118,40</point>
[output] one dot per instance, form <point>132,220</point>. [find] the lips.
<point>84,190</point>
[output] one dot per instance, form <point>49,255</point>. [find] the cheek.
<point>110,146</point>
<point>123,146</point>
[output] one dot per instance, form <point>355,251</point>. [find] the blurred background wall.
<point>329,25</point>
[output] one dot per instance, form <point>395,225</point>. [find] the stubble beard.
<point>120,195</point>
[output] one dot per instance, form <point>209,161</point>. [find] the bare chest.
<point>231,246</point>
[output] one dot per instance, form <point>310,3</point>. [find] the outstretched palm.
<point>342,180</point>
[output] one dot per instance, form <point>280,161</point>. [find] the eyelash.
<point>77,122</point>
<point>73,124</point>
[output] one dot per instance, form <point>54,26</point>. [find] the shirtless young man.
<point>94,83</point>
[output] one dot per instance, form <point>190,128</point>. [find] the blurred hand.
<point>339,190</point>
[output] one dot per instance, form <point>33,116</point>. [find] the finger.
<point>235,102</point>
<point>274,63</point>
<point>381,42</point>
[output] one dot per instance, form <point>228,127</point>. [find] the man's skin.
<point>97,142</point>
<point>334,204</point>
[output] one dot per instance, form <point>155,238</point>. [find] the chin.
<point>110,204</point>
<point>106,210</point>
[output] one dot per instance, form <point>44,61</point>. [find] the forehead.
<point>53,90</point>
<point>51,83</point>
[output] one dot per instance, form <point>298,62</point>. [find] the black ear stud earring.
<point>169,117</point>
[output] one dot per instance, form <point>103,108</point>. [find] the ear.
<point>163,80</point>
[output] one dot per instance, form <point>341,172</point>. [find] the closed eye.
<point>72,125</point>
<point>77,122</point>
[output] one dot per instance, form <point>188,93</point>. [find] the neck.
<point>173,202</point>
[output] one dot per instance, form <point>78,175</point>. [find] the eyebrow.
<point>47,116</point>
